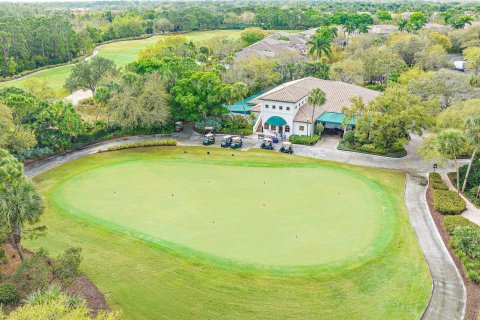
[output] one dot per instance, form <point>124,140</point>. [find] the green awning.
<point>276,121</point>
<point>238,107</point>
<point>334,118</point>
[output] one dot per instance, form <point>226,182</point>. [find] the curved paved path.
<point>448,299</point>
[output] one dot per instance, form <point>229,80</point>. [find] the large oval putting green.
<point>257,235</point>
<point>277,216</point>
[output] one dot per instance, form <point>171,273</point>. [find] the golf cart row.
<point>286,146</point>
<point>233,142</point>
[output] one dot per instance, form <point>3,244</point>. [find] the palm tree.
<point>316,98</point>
<point>460,22</point>
<point>450,144</point>
<point>238,92</point>
<point>320,45</point>
<point>20,204</point>
<point>472,130</point>
<point>350,28</point>
<point>403,25</point>
<point>363,28</point>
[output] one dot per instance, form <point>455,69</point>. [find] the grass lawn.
<point>260,235</point>
<point>122,52</point>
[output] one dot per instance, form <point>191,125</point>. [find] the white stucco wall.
<point>307,128</point>
<point>281,111</point>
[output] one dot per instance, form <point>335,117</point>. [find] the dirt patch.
<point>472,311</point>
<point>13,259</point>
<point>85,288</point>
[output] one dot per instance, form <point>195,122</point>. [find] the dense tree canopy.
<point>200,95</point>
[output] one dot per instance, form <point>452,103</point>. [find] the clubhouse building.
<point>285,110</point>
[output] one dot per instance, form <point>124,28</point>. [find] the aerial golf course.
<point>176,233</point>
<point>122,52</point>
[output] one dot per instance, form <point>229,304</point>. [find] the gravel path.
<point>448,299</point>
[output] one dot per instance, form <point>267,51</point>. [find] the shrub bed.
<point>8,293</point>
<point>143,144</point>
<point>305,140</point>
<point>436,182</point>
<point>229,124</point>
<point>452,222</point>
<point>473,181</point>
<point>370,149</point>
<point>448,202</point>
<point>465,242</point>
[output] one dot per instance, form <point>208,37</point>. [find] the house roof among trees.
<point>275,44</point>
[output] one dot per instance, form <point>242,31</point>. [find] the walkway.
<point>448,297</point>
<point>472,213</point>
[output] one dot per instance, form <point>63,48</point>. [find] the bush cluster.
<point>436,182</point>
<point>230,124</point>
<point>236,125</point>
<point>34,153</point>
<point>8,293</point>
<point>215,122</point>
<point>68,265</point>
<point>473,181</point>
<point>143,144</point>
<point>37,272</point>
<point>448,202</point>
<point>466,243</point>
<point>453,222</point>
<point>350,143</point>
<point>3,256</point>
<point>305,140</point>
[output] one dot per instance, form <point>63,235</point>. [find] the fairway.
<point>122,52</point>
<point>176,233</point>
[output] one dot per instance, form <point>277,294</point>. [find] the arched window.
<point>287,128</point>
<point>266,126</point>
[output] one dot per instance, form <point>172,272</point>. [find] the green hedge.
<point>448,202</point>
<point>305,140</point>
<point>436,182</point>
<point>143,144</point>
<point>344,145</point>
<point>452,222</point>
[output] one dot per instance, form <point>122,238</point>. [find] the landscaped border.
<point>472,310</point>
<point>400,154</point>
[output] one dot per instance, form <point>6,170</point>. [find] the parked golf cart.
<point>267,144</point>
<point>226,141</point>
<point>209,139</point>
<point>236,143</point>
<point>286,147</point>
<point>179,126</point>
<point>209,130</point>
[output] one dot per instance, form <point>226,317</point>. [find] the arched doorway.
<point>276,123</point>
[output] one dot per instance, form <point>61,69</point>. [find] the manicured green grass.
<point>122,52</point>
<point>151,279</point>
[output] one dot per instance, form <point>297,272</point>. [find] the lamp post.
<point>435,166</point>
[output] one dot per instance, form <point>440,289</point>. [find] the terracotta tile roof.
<point>272,46</point>
<point>338,95</point>
<point>257,108</point>
<point>287,93</point>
